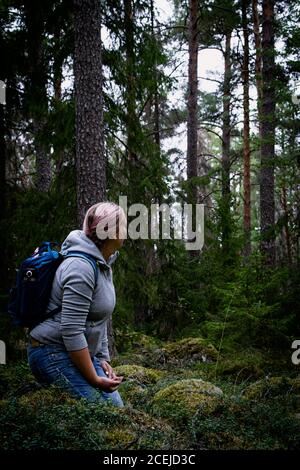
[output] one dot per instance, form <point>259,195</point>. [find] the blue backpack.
<point>30,296</point>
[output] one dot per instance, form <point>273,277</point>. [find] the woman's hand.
<point>108,370</point>
<point>82,360</point>
<point>108,385</point>
<point>111,383</point>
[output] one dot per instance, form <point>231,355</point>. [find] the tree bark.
<point>192,121</point>
<point>156,95</point>
<point>90,157</point>
<point>258,61</point>
<point>286,223</point>
<point>226,194</point>
<point>267,201</point>
<point>246,133</point>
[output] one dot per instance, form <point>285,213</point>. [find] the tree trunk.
<point>226,195</point>
<point>246,133</point>
<point>90,157</point>
<point>258,61</point>
<point>156,96</point>
<point>267,202</point>
<point>192,122</point>
<point>36,89</point>
<point>286,223</point>
<point>111,339</point>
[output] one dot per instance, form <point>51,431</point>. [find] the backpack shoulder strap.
<point>90,258</point>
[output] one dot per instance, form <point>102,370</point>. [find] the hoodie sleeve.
<point>78,280</point>
<point>103,352</point>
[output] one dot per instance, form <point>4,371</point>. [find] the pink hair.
<point>105,214</point>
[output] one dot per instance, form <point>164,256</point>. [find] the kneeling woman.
<point>70,349</point>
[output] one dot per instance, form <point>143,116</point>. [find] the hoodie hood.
<point>78,241</point>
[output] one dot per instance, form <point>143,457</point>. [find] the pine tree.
<point>192,121</point>
<point>246,132</point>
<point>90,157</point>
<point>267,201</point>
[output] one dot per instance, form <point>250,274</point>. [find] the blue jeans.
<point>51,364</point>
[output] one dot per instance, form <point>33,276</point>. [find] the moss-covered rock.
<point>134,393</point>
<point>142,375</point>
<point>140,340</point>
<point>182,399</point>
<point>272,387</point>
<point>195,349</point>
<point>135,341</point>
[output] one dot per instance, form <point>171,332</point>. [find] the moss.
<point>154,432</point>
<point>140,340</point>
<point>242,366</point>
<point>133,393</point>
<point>15,377</point>
<point>141,374</point>
<point>41,422</point>
<point>46,397</point>
<point>182,399</point>
<point>128,358</point>
<point>243,424</point>
<point>135,341</point>
<point>119,438</point>
<point>196,349</point>
<point>272,387</point>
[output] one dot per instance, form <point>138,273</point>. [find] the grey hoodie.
<point>82,321</point>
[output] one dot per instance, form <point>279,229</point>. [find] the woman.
<point>70,349</point>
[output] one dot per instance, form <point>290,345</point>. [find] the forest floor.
<point>177,395</point>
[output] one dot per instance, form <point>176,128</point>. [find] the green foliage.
<point>245,425</point>
<point>34,217</point>
<point>273,387</point>
<point>46,422</point>
<point>251,308</point>
<point>49,419</point>
<point>237,313</point>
